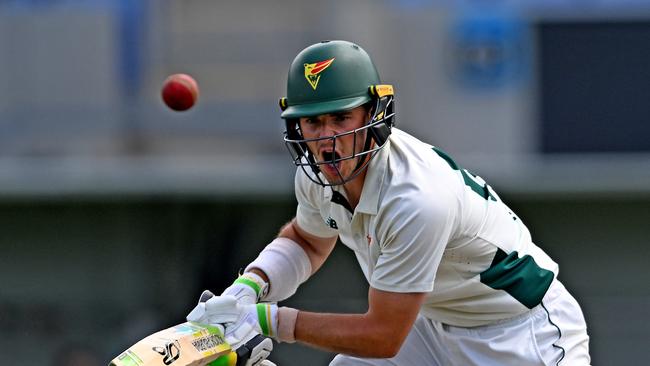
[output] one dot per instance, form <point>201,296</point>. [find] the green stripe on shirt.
<point>522,278</point>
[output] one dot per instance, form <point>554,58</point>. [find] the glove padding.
<point>242,321</point>
<point>254,352</point>
<point>198,313</point>
<point>248,288</point>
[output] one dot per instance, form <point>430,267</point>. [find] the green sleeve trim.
<point>263,318</point>
<point>249,283</point>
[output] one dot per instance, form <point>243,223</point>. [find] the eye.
<point>309,121</point>
<point>341,117</point>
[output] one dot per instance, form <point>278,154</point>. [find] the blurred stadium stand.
<point>117,212</point>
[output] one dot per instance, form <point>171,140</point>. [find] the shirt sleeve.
<point>308,215</point>
<point>413,232</point>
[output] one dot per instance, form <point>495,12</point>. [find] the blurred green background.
<point>117,212</point>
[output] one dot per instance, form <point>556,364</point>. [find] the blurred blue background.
<point>116,212</point>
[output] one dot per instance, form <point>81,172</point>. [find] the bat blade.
<point>185,344</point>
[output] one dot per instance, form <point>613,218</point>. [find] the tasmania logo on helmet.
<point>312,71</point>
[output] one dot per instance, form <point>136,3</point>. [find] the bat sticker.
<point>171,352</point>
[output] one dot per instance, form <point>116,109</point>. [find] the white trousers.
<point>552,333</point>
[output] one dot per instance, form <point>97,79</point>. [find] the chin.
<point>333,177</point>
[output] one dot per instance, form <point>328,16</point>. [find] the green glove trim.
<point>264,314</point>
<point>249,283</point>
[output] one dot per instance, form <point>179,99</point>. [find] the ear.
<point>370,109</point>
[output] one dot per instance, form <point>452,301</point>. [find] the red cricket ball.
<point>180,92</point>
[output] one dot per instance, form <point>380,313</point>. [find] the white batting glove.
<point>241,320</point>
<point>244,337</point>
<point>239,323</point>
<point>244,321</point>
<point>248,288</point>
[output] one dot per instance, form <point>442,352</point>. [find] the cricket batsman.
<point>454,276</point>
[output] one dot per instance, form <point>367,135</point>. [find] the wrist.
<point>287,324</point>
<point>255,282</point>
<point>277,322</point>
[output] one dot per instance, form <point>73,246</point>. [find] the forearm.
<point>351,334</point>
<point>379,333</point>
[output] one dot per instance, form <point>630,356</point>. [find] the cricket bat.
<point>194,344</point>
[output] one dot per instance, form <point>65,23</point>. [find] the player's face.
<point>328,149</point>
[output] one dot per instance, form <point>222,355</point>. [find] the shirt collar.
<point>369,201</point>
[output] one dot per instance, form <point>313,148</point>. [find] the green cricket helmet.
<point>330,77</point>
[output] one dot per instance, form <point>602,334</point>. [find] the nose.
<point>327,129</point>
<point>320,128</point>
<point>326,132</point>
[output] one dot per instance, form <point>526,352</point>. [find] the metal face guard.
<point>377,130</point>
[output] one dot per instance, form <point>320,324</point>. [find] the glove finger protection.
<point>222,310</point>
<point>206,295</point>
<point>198,313</point>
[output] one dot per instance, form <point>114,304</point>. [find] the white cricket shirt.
<point>425,224</point>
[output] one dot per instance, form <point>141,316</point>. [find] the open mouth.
<point>331,156</point>
<point>331,161</point>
